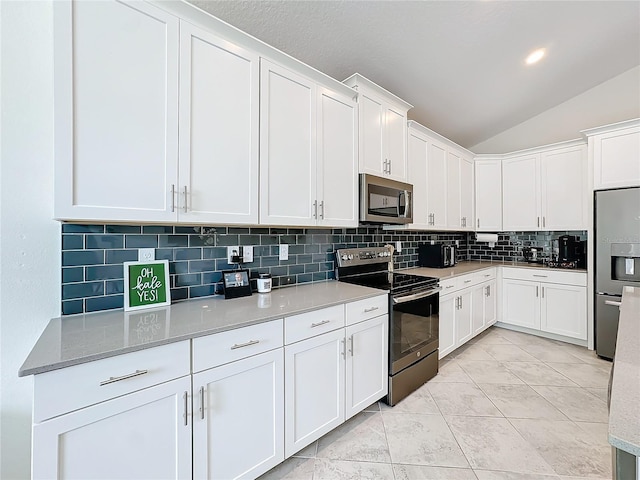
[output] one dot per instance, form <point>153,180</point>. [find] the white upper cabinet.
<point>308,159</point>
<point>337,156</point>
<point>466,193</point>
<point>287,147</point>
<point>218,131</point>
<point>564,188</point>
<point>521,193</point>
<point>453,190</point>
<point>614,152</point>
<point>116,111</point>
<point>418,147</point>
<point>546,190</point>
<point>437,185</point>
<point>382,142</point>
<point>488,189</point>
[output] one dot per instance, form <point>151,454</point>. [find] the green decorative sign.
<point>146,284</point>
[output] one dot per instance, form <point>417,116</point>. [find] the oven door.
<point>414,328</point>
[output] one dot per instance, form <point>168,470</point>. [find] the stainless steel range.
<point>413,315</point>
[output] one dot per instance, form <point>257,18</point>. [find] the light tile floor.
<point>505,406</point>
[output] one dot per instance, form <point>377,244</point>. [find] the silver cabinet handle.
<point>185,396</point>
<point>323,322</point>
<point>247,344</point>
<point>488,290</point>
<point>478,223</point>
<point>173,195</point>
<point>322,210</point>
<point>351,343</point>
<point>542,292</point>
<point>467,281</point>
<point>449,286</point>
<point>202,403</point>
<point>367,310</point>
<point>536,290</point>
<point>461,306</point>
<point>487,275</point>
<point>185,199</point>
<point>315,209</point>
<point>612,303</point>
<point>344,348</point>
<point>389,167</point>
<point>137,373</point>
<point>544,221</point>
<point>540,276</point>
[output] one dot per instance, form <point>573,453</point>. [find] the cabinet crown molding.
<point>357,80</point>
<point>435,135</point>
<point>533,150</point>
<point>611,127</point>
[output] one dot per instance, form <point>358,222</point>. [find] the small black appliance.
<point>436,255</point>
<point>572,249</point>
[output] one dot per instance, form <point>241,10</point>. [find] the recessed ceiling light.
<point>535,56</point>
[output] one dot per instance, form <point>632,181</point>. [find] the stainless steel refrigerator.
<point>617,260</point>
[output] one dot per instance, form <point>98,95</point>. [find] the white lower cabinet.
<point>331,376</point>
<point>145,434</point>
<point>548,301</point>
<point>238,426</point>
<point>467,309</point>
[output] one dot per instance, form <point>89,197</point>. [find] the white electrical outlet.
<point>232,251</point>
<point>146,254</point>
<point>457,243</point>
<point>399,247</point>
<point>247,254</point>
<point>283,251</point>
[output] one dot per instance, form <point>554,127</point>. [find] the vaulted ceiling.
<point>461,63</point>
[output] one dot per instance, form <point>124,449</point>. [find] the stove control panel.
<point>351,257</point>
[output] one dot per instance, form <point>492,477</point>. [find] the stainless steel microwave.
<point>385,201</point>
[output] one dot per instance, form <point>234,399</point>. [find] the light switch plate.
<point>399,247</point>
<point>283,251</point>
<point>247,254</point>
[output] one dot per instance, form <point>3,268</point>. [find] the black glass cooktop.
<point>394,282</point>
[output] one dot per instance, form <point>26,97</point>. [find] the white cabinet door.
<point>417,155</point>
<point>616,158</point>
<point>520,193</point>
<point>367,377</point>
<point>564,189</point>
<point>454,219</point>
<point>146,434</point>
<point>287,147</point>
<point>337,170</point>
<point>371,123</point>
<point>464,327</point>
<point>477,309</point>
<point>116,115</point>
<point>521,303</point>
<point>396,143</point>
<point>466,193</point>
<point>219,114</point>
<point>437,185</point>
<point>238,426</point>
<point>488,183</point>
<point>490,303</point>
<point>447,325</point>
<point>563,310</point>
<point>314,388</point>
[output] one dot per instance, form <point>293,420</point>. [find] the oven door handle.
<point>416,296</point>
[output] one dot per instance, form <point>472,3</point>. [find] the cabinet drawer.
<point>225,347</point>
<point>367,308</point>
<point>306,325</point>
<point>449,285</point>
<point>72,388</point>
<point>546,275</point>
<point>485,275</point>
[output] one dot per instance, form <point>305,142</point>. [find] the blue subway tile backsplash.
<point>92,256</point>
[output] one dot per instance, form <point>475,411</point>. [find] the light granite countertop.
<point>624,412</point>
<point>462,268</point>
<point>76,339</point>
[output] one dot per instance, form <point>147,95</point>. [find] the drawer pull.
<point>487,275</point>
<point>367,310</point>
<point>541,276</point>
<point>123,377</point>
<point>324,322</point>
<point>449,286</point>
<point>246,344</point>
<point>467,281</point>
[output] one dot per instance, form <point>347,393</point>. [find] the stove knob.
<point>351,256</point>
<point>381,254</point>
<point>344,256</point>
<point>386,254</point>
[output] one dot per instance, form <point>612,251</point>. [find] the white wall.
<point>29,239</point>
<point>613,101</point>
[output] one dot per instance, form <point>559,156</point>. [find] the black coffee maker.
<point>572,249</point>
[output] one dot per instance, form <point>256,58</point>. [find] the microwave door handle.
<point>407,204</point>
